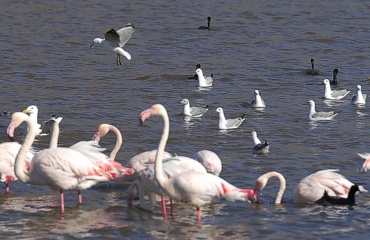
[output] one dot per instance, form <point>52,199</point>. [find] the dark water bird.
<point>208,25</point>
<point>195,75</point>
<point>6,113</point>
<point>312,71</point>
<point>335,200</point>
<point>335,80</point>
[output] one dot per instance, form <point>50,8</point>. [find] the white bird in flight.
<point>115,40</point>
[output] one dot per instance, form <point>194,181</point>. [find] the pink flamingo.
<point>261,183</point>
<point>210,161</point>
<point>8,153</point>
<point>195,188</point>
<point>93,151</point>
<point>59,168</point>
<point>366,164</point>
<point>311,188</point>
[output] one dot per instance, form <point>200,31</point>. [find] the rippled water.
<point>264,45</point>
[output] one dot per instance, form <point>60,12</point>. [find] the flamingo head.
<point>155,110</point>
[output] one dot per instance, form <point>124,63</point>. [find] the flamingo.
<point>59,168</point>
<point>311,188</point>
<point>261,183</point>
<point>45,127</point>
<point>195,188</point>
<point>210,160</point>
<point>93,151</point>
<point>8,153</point>
<point>115,40</point>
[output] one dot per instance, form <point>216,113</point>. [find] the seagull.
<point>45,127</point>
<point>319,116</point>
<point>359,98</point>
<point>333,94</point>
<point>312,70</point>
<point>257,102</point>
<point>193,111</point>
<point>224,123</point>
<point>204,81</point>
<point>115,40</point>
<point>259,147</point>
<point>208,25</point>
<point>335,80</point>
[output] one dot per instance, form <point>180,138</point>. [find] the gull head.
<point>326,82</point>
<point>359,87</point>
<point>185,101</point>
<point>96,41</point>
<point>199,71</point>
<point>220,110</point>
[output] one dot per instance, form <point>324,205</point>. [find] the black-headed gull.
<point>193,111</point>
<point>115,40</point>
<point>203,81</point>
<point>359,97</point>
<point>224,123</point>
<point>259,147</point>
<point>45,127</point>
<point>319,116</point>
<point>333,94</point>
<point>257,102</point>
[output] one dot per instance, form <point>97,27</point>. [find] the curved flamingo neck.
<point>161,147</point>
<point>119,141</point>
<point>20,162</point>
<point>262,182</point>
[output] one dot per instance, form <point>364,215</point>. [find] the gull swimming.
<point>204,81</point>
<point>115,40</point>
<point>45,127</point>
<point>319,116</point>
<point>359,98</point>
<point>224,123</point>
<point>257,102</point>
<point>333,94</point>
<point>193,111</point>
<point>259,147</point>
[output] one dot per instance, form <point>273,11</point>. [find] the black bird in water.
<point>350,200</point>
<point>335,80</point>
<point>195,75</point>
<point>312,70</point>
<point>208,25</point>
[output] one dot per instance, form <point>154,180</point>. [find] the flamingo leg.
<point>171,205</point>
<point>6,187</point>
<point>198,214</point>
<point>79,195</point>
<point>61,200</point>
<point>164,207</point>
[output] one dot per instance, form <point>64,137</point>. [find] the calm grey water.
<point>264,45</point>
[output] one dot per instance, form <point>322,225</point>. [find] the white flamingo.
<point>311,188</point>
<point>195,188</point>
<point>59,168</point>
